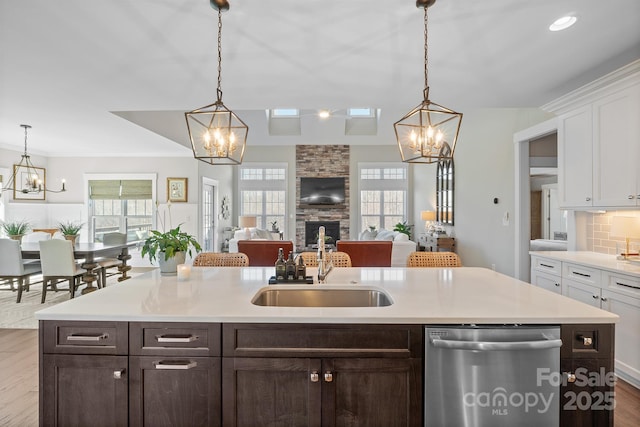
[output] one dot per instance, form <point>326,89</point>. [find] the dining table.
<point>90,254</point>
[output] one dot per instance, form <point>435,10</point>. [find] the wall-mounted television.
<point>321,191</point>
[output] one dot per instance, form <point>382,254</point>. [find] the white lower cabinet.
<point>612,291</point>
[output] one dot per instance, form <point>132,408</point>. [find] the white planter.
<point>170,266</point>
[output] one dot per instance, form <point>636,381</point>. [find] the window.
<point>262,189</point>
<point>383,195</point>
<point>360,112</point>
<point>121,206</point>
<point>444,192</point>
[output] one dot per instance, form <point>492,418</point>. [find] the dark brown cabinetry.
<point>83,374</point>
<point>326,375</point>
<point>586,361</point>
<point>174,375</point>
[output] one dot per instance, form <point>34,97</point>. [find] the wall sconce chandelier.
<point>217,134</point>
<point>428,133</point>
<point>27,178</point>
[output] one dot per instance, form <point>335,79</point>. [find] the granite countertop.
<point>593,259</point>
<point>420,296</point>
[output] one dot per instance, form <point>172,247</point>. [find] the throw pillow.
<point>366,235</point>
<point>401,237</point>
<point>384,235</point>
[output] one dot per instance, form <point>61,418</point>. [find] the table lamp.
<point>246,222</point>
<point>627,227</point>
<point>428,217</point>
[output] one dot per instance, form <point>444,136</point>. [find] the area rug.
<point>21,315</point>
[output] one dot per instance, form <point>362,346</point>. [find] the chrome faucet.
<point>325,264</point>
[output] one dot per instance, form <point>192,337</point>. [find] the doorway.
<point>209,215</point>
<point>522,221</point>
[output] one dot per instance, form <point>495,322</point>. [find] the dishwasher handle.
<point>496,346</point>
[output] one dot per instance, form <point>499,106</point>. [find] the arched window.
<point>444,190</point>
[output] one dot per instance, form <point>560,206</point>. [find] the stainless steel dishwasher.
<point>492,376</point>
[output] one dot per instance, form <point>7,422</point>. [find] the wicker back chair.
<point>217,259</point>
<point>433,259</point>
<point>339,259</point>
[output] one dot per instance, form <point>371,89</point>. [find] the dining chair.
<point>105,264</point>
<point>12,267</point>
<point>57,260</point>
<point>433,259</point>
<point>219,259</point>
<point>36,236</point>
<point>338,259</point>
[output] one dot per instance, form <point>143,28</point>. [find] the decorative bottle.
<point>291,267</point>
<point>281,267</point>
<point>301,269</point>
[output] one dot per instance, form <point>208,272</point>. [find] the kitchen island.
<point>161,350</point>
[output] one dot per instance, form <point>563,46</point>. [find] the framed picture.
<point>177,189</point>
<point>23,183</point>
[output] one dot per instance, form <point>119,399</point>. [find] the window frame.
<point>382,185</point>
<point>264,186</point>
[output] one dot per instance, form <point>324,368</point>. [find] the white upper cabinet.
<point>575,158</point>
<point>616,123</point>
<point>599,142</point>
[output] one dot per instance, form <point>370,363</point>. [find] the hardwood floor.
<point>19,383</point>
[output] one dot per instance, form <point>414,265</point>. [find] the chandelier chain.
<point>426,56</point>
<point>219,90</point>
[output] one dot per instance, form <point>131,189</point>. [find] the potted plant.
<point>403,227</point>
<point>70,230</point>
<point>274,227</point>
<point>170,248</point>
<point>16,229</point>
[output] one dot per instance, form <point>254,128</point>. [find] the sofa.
<point>254,234</point>
<point>401,247</point>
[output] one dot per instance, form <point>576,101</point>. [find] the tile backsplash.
<point>598,227</point>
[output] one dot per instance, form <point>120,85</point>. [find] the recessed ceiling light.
<point>324,114</point>
<point>563,23</point>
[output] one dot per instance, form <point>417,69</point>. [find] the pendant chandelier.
<point>26,178</point>
<point>428,133</point>
<point>217,134</point>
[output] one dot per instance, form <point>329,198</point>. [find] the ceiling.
<point>115,77</point>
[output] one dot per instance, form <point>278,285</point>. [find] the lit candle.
<point>184,272</point>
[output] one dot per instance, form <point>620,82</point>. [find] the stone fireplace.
<point>322,161</point>
<point>331,229</point>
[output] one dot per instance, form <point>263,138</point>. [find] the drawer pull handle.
<point>626,285</point>
<point>557,284</point>
<point>580,274</point>
<point>92,338</point>
<point>587,341</point>
<point>630,197</point>
<point>603,299</point>
<point>328,377</point>
<point>595,296</point>
<point>175,364</point>
<point>117,375</point>
<point>588,199</point>
<point>571,378</point>
<point>176,338</point>
<point>314,377</point>
<point>546,265</point>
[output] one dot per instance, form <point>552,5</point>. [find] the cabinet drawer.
<point>547,265</point>
<point>582,274</point>
<point>621,282</point>
<point>314,340</point>
<point>175,339</point>
<point>587,341</point>
<point>75,337</point>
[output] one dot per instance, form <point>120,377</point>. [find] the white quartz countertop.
<point>593,259</point>
<point>419,295</point>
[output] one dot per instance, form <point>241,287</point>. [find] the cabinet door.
<point>371,392</point>
<point>615,149</point>
<point>271,392</point>
<point>174,391</point>
<point>587,294</point>
<point>83,390</point>
<point>575,158</point>
<point>546,281</point>
<point>583,404</point>
<point>627,348</point>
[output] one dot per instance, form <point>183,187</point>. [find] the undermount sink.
<point>321,297</point>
